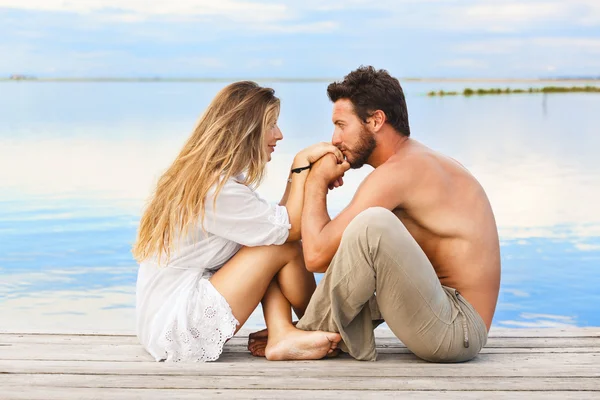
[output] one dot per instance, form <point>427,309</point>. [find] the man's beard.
<point>363,150</point>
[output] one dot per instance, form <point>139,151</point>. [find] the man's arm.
<point>293,197</point>
<point>321,236</point>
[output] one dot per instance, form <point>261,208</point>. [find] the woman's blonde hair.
<point>227,141</point>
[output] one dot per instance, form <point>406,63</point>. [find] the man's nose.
<point>336,138</point>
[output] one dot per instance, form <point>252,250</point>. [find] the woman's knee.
<point>293,249</point>
<point>274,256</point>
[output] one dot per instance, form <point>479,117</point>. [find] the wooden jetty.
<point>515,364</point>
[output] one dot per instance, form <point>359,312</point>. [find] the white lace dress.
<point>180,315</point>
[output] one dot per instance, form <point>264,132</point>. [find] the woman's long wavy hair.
<point>227,141</point>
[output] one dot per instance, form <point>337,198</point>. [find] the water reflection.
<point>78,160</point>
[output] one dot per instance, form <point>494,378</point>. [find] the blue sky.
<point>307,38</point>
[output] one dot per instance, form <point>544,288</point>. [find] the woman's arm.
<point>293,198</point>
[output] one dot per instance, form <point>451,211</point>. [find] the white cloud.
<point>262,63</point>
<point>588,45</point>
<point>224,15</point>
<point>587,247</point>
<point>508,46</point>
<point>504,15</point>
<point>235,9</point>
<point>199,62</point>
<point>468,63</point>
<point>511,16</point>
<point>488,15</point>
<point>312,27</point>
<point>474,15</point>
<point>535,56</point>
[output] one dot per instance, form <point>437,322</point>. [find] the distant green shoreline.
<point>496,91</point>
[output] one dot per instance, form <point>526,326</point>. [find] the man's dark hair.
<point>370,90</point>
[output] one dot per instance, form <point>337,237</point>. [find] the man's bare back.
<point>449,215</point>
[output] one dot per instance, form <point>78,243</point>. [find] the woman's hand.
<point>315,152</point>
<point>328,172</point>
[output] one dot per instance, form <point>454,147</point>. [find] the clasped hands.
<point>327,164</point>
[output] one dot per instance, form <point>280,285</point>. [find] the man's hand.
<point>328,172</point>
<point>337,183</point>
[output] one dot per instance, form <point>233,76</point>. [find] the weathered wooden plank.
<point>505,350</point>
<point>545,332</point>
<point>135,353</point>
<point>527,342</point>
<point>51,393</point>
<point>381,333</point>
<point>241,341</point>
<point>292,382</point>
<point>546,363</point>
<point>388,365</point>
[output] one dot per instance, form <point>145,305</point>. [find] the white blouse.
<point>173,301</point>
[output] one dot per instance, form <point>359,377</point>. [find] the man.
<point>417,246</point>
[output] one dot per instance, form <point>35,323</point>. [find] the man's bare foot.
<point>296,344</point>
<point>257,342</point>
<point>259,335</point>
<point>333,353</point>
<point>257,349</point>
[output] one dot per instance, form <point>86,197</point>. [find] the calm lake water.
<point>77,161</point>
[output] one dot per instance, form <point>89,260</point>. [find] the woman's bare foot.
<point>257,341</point>
<point>258,346</point>
<point>295,344</point>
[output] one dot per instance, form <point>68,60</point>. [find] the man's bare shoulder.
<point>422,162</point>
<point>405,165</point>
<point>391,172</point>
<point>389,182</point>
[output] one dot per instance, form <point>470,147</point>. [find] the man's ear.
<point>376,120</point>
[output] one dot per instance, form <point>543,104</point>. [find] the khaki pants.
<point>379,271</point>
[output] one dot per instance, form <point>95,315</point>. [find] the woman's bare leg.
<point>285,342</point>
<point>296,283</point>
<point>252,269</point>
<point>243,282</point>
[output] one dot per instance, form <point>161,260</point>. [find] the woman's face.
<point>272,136</point>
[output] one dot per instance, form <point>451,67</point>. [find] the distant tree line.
<point>546,89</point>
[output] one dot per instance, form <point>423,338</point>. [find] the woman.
<point>210,249</point>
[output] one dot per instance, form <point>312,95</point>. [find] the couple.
<point>417,247</point>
